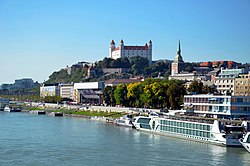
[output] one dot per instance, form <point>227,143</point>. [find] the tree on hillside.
<point>138,64</point>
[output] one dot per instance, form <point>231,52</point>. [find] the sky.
<point>38,37</point>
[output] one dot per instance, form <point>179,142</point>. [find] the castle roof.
<point>112,42</point>
<point>133,48</point>
<point>136,47</point>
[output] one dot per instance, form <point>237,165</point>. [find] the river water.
<point>28,139</point>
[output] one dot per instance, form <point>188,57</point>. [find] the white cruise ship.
<point>200,131</point>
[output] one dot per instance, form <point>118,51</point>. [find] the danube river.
<point>28,139</point>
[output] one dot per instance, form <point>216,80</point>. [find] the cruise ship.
<point>216,133</point>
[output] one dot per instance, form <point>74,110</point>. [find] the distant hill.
<point>138,66</point>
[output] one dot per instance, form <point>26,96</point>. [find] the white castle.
<point>130,51</point>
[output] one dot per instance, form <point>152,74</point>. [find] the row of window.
<point>133,54</point>
<point>185,131</point>
<point>204,127</point>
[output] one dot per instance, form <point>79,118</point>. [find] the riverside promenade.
<point>93,108</point>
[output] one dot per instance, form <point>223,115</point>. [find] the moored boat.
<point>9,109</point>
<point>215,132</point>
<point>124,121</point>
<point>245,141</point>
<point>56,114</point>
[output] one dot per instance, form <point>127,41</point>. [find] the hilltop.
<point>109,68</point>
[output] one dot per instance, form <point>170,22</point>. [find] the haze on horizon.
<point>43,36</point>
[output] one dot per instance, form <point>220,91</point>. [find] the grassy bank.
<point>83,112</point>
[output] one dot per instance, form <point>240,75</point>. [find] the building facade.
<point>130,51</point>
<point>25,83</point>
<point>67,91</point>
<point>225,81</point>
<point>219,105</point>
<point>242,85</point>
<point>49,90</point>
<point>88,92</point>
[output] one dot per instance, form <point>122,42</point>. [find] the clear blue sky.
<point>38,37</point>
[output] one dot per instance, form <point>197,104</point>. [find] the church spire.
<point>178,57</point>
<point>179,49</point>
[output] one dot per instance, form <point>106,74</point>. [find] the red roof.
<point>117,48</point>
<point>214,63</point>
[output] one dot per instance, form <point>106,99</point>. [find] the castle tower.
<point>121,48</point>
<point>178,65</point>
<point>150,46</point>
<point>111,48</point>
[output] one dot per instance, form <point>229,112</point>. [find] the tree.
<point>134,92</point>
<point>108,95</point>
<point>138,64</point>
<point>120,95</point>
<point>176,92</point>
<point>160,97</point>
<point>196,87</point>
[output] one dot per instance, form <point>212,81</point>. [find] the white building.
<point>88,92</point>
<point>130,51</point>
<point>225,82</point>
<point>49,90</point>
<point>67,91</point>
<point>219,105</point>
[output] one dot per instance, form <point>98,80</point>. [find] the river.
<point>28,139</point>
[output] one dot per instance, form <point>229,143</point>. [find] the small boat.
<point>8,109</point>
<point>56,114</point>
<point>38,112</point>
<point>245,141</point>
<point>124,121</point>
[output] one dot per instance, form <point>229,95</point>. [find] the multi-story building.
<point>225,81</point>
<point>130,51</point>
<point>219,105</point>
<point>25,83</point>
<point>49,90</point>
<point>67,90</point>
<point>242,85</point>
<point>88,92</point>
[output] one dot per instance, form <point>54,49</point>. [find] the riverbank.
<point>79,113</point>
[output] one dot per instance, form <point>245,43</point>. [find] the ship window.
<point>175,129</point>
<point>200,127</point>
<point>178,130</point>
<point>181,130</point>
